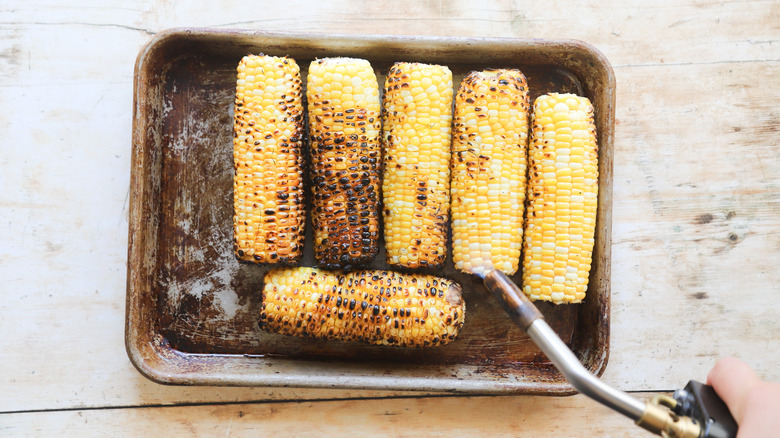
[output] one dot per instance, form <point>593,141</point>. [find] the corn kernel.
<point>416,133</point>
<point>488,169</point>
<point>561,210</point>
<point>268,182</point>
<point>376,307</point>
<point>344,122</point>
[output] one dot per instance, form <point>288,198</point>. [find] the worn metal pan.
<point>192,308</point>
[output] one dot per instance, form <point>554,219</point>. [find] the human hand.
<point>755,404</point>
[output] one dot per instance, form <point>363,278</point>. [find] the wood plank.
<point>697,107</point>
<point>664,259</point>
<point>696,221</point>
<point>629,33</point>
<point>404,417</point>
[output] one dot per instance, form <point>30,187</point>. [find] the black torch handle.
<point>702,403</point>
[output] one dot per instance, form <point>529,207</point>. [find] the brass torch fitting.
<point>666,423</point>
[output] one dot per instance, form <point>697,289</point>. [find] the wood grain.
<point>500,416</point>
<point>695,218</point>
<point>696,221</point>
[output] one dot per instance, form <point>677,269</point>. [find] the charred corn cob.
<point>489,145</point>
<point>417,117</point>
<point>562,193</point>
<point>344,120</point>
<point>268,195</point>
<point>377,307</point>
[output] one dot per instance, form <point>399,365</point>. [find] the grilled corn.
<point>268,198</point>
<point>417,117</point>
<point>562,196</point>
<point>376,307</point>
<point>489,145</point>
<point>346,154</point>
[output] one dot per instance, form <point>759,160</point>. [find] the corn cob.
<point>562,193</point>
<point>268,195</point>
<point>376,307</point>
<point>488,170</point>
<point>344,120</point>
<point>417,117</point>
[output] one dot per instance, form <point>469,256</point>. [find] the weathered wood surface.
<point>496,416</point>
<point>696,217</point>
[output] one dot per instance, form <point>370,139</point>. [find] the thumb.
<point>733,380</point>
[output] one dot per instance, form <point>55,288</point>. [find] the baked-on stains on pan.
<point>192,307</point>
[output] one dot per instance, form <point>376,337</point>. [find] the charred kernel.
<point>431,137</point>
<point>255,235</point>
<point>337,149</point>
<point>480,212</point>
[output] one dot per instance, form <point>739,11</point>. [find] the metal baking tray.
<point>192,307</point>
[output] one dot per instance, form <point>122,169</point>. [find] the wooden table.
<point>696,228</point>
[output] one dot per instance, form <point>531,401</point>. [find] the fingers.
<point>733,380</point>
<point>760,413</point>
